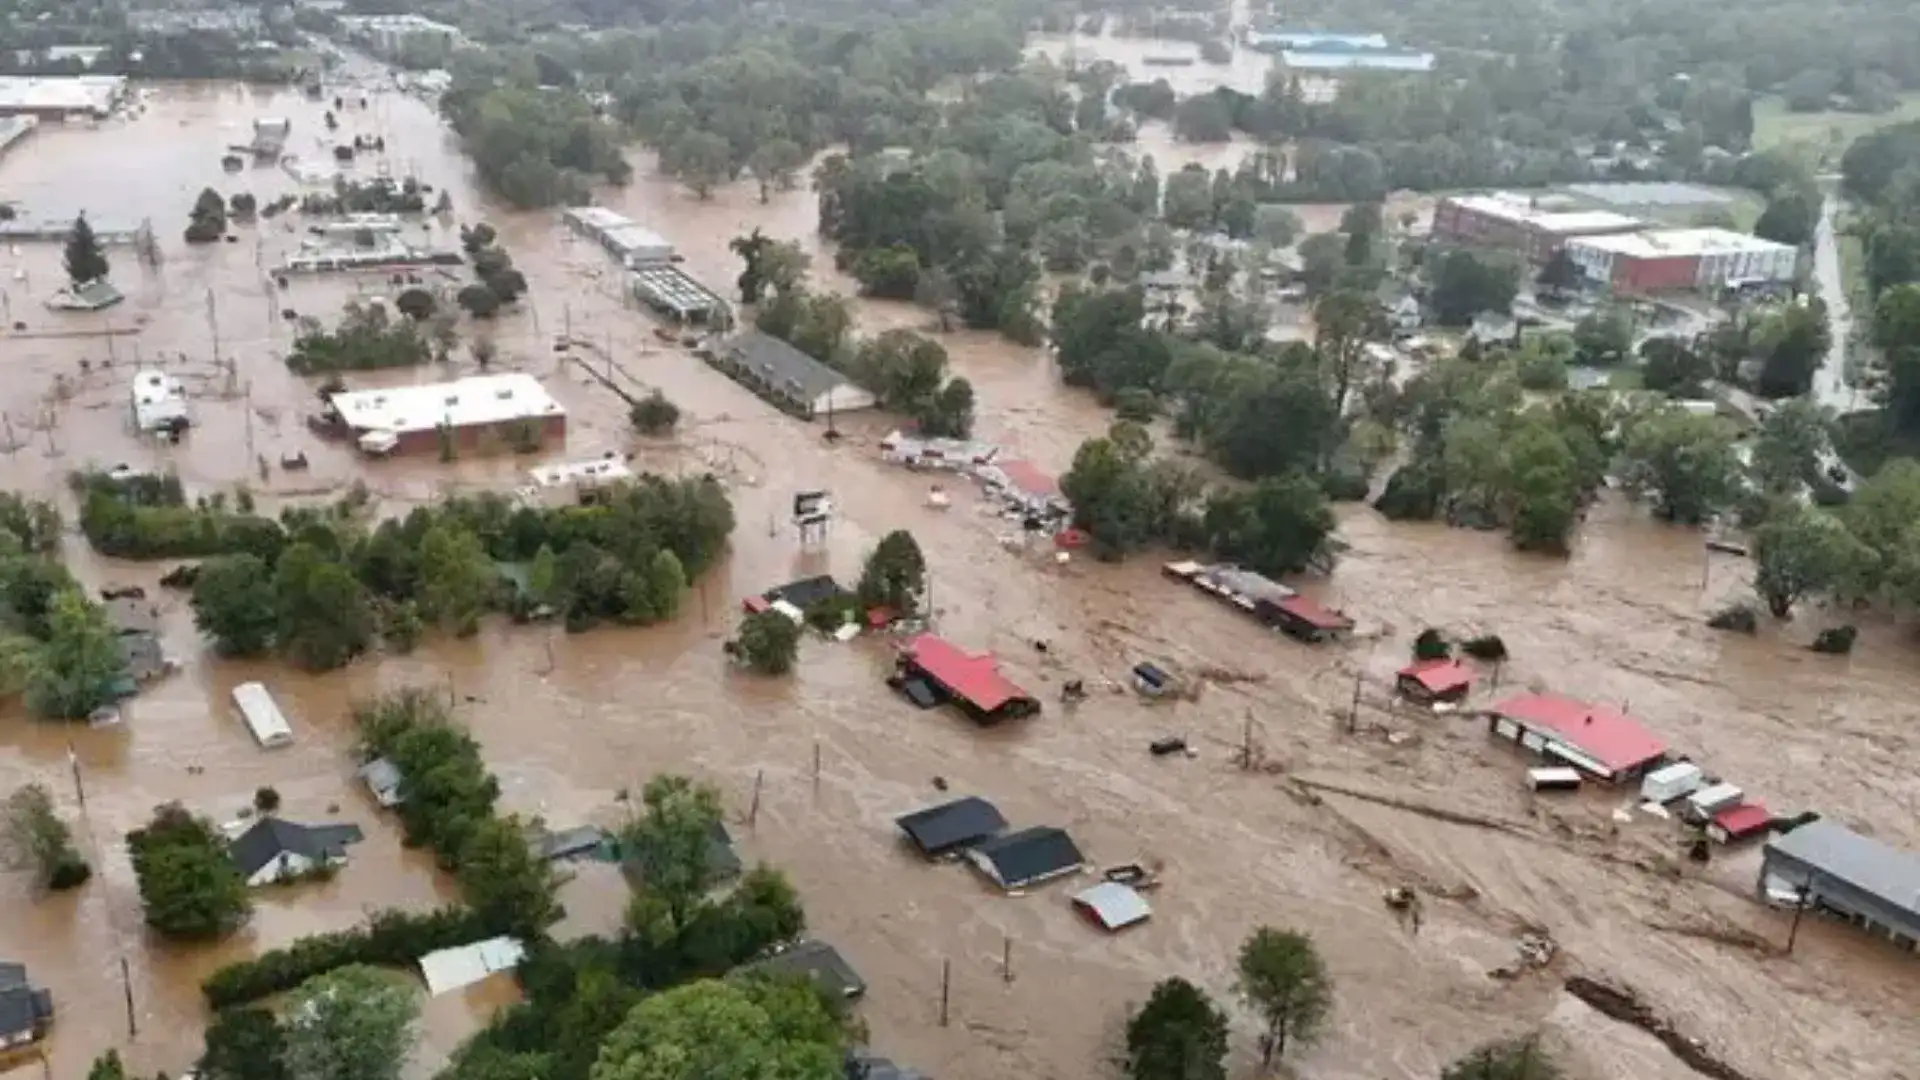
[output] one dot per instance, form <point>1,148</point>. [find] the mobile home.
<point>263,716</point>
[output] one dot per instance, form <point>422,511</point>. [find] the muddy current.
<point>570,722</point>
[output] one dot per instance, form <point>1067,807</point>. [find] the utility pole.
<point>213,324</point>
<point>126,984</point>
<point>1353,707</point>
<point>1799,910</point>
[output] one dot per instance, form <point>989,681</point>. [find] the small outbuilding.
<point>1027,857</point>
<point>952,826</point>
<point>1307,620</point>
<point>1737,823</point>
<point>26,1011</point>
<point>452,969</point>
<point>383,780</point>
<point>820,963</point>
<point>1428,681</point>
<point>1112,906</point>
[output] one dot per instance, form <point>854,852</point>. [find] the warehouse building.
<point>1829,867</point>
<point>1525,225</point>
<point>788,377</point>
<point>60,97</point>
<point>511,411</point>
<point>633,244</point>
<point>1679,260</point>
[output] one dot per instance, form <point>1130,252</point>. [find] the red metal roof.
<point>1025,476</point>
<point>1605,734</point>
<point>972,676</point>
<point>1742,820</point>
<point>1439,676</point>
<point>1313,614</point>
<point>753,605</point>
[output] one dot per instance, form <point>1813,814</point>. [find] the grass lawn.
<point>1626,378</point>
<point>1824,135</point>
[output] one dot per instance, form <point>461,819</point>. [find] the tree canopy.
<point>749,1029</point>
<point>189,886</point>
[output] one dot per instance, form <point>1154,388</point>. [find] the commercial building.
<point>1832,868</point>
<point>674,293</point>
<point>633,244</point>
<point>1529,226</point>
<point>788,377</point>
<point>1678,260</point>
<point>479,413</point>
<point>60,97</point>
<point>409,38</point>
<point>969,680</point>
<point>1281,40</point>
<point>1378,60</point>
<point>1597,739</point>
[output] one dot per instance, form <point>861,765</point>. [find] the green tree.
<point>1559,275</point>
<point>107,1067</point>
<point>244,1043</point>
<point>1802,551</point>
<point>1283,979</point>
<point>352,1023</point>
<point>74,671</point>
<point>1280,526</point>
<point>903,369</point>
<point>1883,514</point>
<point>1604,338</point>
<point>654,415</point>
<point>1790,218</point>
<point>32,836</point>
<point>1109,496</point>
<point>1510,1059</point>
<point>1179,1034</point>
<point>752,1029</point>
<point>85,259</point>
<point>510,888</point>
<point>669,845</point>
<point>233,603</point>
<point>478,300</point>
<point>773,163</point>
<point>1344,323</point>
<point>769,642</point>
<point>895,574</point>
<point>1789,445</point>
<point>1684,461</point>
<point>1672,366</point>
<point>1543,488</point>
<point>457,579</point>
<point>949,413</point>
<point>189,886</point>
<point>1321,257</point>
<point>322,615</point>
<point>699,159</point>
<point>1793,344</point>
<point>1466,283</point>
<point>543,576</point>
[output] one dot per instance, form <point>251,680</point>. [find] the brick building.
<point>1681,260</point>
<point>482,413</point>
<point>1531,227</point>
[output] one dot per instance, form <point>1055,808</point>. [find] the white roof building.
<point>95,94</point>
<point>633,244</point>
<point>464,965</point>
<point>159,401</point>
<point>1546,214</point>
<point>1683,258</point>
<point>472,402</point>
<point>604,470</point>
<point>1357,60</point>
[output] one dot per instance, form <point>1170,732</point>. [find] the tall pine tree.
<point>85,260</point>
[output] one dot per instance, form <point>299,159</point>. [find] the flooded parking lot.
<point>569,722</point>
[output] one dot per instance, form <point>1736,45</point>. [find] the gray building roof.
<point>383,779</point>
<point>1028,857</point>
<point>23,1009</point>
<point>819,962</point>
<point>1834,851</point>
<point>864,1064</point>
<point>271,838</point>
<point>780,364</point>
<point>939,829</point>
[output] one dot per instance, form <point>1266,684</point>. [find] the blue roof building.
<point>1309,40</point>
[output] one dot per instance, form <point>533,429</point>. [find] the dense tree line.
<point>57,648</point>
<point>531,147</point>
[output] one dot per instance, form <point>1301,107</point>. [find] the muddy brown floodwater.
<point>569,722</point>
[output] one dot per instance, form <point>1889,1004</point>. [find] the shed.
<point>1703,804</point>
<point>820,963</point>
<point>1027,857</point>
<point>788,377</point>
<point>1738,823</point>
<point>1553,779</point>
<point>575,843</point>
<point>464,965</point>
<point>1112,906</point>
<point>262,714</point>
<point>1443,679</point>
<point>1304,618</point>
<point>950,826</point>
<point>26,1012</point>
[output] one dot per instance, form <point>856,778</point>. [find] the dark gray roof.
<point>270,837</point>
<point>950,825</point>
<point>819,962</point>
<point>864,1064</point>
<point>780,364</point>
<point>22,1008</point>
<point>1028,856</point>
<point>1879,870</point>
<point>567,843</point>
<point>806,592</point>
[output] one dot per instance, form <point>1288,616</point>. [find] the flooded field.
<point>568,722</point>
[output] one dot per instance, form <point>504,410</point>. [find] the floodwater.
<point>571,722</point>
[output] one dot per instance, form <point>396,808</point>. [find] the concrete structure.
<point>409,38</point>
<point>25,1012</point>
<point>60,97</point>
<point>479,413</point>
<point>1833,868</point>
<point>1376,60</point>
<point>788,377</point>
<point>1680,260</point>
<point>1533,227</point>
<point>633,244</point>
<point>275,851</point>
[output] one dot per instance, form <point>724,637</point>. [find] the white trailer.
<point>263,716</point>
<point>1670,782</point>
<point>1708,801</point>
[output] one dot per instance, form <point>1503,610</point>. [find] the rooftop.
<point>1886,873</point>
<point>1310,40</point>
<point>1028,857</point>
<point>1439,676</point>
<point>1314,614</point>
<point>780,364</point>
<point>601,470</point>
<point>73,93</point>
<point>669,286</point>
<point>1680,243</point>
<point>819,962</point>
<point>270,838</point>
<point>1027,478</point>
<point>1357,60</point>
<point>939,829</point>
<point>482,399</point>
<point>1548,215</point>
<point>973,677</point>
<point>1112,905</point>
<point>1610,737</point>
<point>1649,193</point>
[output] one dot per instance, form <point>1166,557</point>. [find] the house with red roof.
<point>1737,823</point>
<point>970,680</point>
<point>1304,618</point>
<point>1596,739</point>
<point>1428,681</point>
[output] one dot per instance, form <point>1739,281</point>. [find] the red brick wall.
<point>1670,273</point>
<point>483,438</point>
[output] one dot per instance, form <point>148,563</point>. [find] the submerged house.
<point>1027,857</point>
<point>1597,739</point>
<point>787,377</point>
<point>1831,868</point>
<point>1428,681</point>
<point>723,862</point>
<point>274,851</point>
<point>970,680</point>
<point>818,962</point>
<point>952,826</point>
<point>25,1012</point>
<point>1305,619</point>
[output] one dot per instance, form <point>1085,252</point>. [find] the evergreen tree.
<point>85,260</point>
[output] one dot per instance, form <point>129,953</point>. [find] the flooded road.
<point>569,722</point>
<point>1831,386</point>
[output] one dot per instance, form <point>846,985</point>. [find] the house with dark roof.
<point>1027,857</point>
<point>25,1012</point>
<point>788,377</point>
<point>275,851</point>
<point>951,826</point>
<point>818,962</point>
